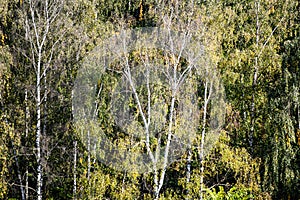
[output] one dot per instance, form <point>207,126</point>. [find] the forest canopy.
<point>149,99</point>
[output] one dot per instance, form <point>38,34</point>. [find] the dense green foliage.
<point>255,46</point>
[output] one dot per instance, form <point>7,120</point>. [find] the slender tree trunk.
<point>18,171</point>
<point>167,149</point>
<point>207,93</point>
<point>255,75</point>
<point>26,183</point>
<point>298,116</point>
<point>123,181</point>
<point>26,138</point>
<point>254,83</point>
<point>75,171</point>
<point>155,179</point>
<point>89,161</point>
<point>38,129</point>
<point>38,20</point>
<point>45,113</point>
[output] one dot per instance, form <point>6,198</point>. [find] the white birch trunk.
<point>75,172</point>
<point>37,24</point>
<point>207,93</point>
<point>188,168</point>
<point>38,128</point>
<point>26,136</point>
<point>89,161</point>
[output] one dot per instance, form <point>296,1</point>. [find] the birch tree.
<point>39,19</point>
<point>256,45</point>
<point>154,101</point>
<point>158,119</point>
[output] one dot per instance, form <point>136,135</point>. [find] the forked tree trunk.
<point>38,19</point>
